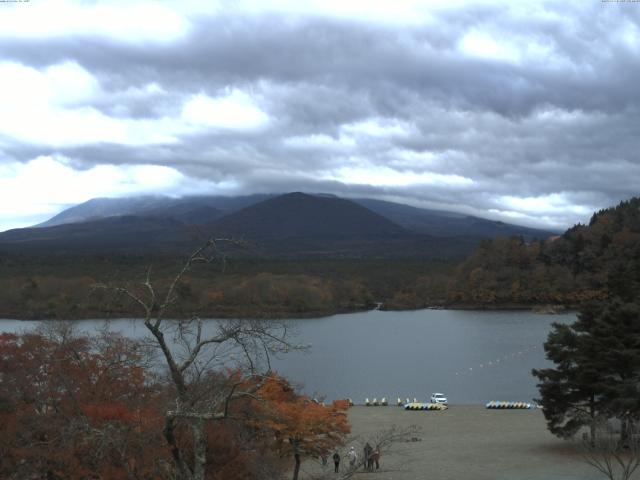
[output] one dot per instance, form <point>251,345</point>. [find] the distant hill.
<point>112,234</point>
<point>293,225</point>
<point>201,210</point>
<point>191,210</point>
<point>189,213</point>
<point>299,225</point>
<point>98,208</point>
<point>448,224</point>
<point>298,215</point>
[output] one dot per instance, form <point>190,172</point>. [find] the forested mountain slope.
<point>586,262</point>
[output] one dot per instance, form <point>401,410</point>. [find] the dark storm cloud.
<point>552,113</point>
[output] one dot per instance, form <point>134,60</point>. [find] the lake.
<point>471,356</point>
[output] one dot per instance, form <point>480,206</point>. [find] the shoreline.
<point>543,309</point>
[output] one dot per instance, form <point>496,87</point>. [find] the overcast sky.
<point>524,111</point>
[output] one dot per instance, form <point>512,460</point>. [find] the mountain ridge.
<point>418,220</point>
<point>294,225</point>
<point>148,205</point>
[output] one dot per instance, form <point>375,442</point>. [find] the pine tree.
<point>571,393</point>
<point>615,334</point>
<point>597,372</point>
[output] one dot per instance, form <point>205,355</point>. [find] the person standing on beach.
<point>336,461</point>
<point>375,457</point>
<point>353,456</point>
<point>367,455</point>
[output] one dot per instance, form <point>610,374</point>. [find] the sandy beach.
<point>465,443</point>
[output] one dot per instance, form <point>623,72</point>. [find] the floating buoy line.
<point>495,362</point>
<point>408,404</point>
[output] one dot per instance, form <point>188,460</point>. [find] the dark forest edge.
<point>548,275</point>
<point>62,287</point>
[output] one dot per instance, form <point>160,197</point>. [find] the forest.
<point>506,272</point>
<point>581,265</point>
<point>63,287</point>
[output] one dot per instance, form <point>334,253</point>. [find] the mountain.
<point>298,215</point>
<point>447,224</point>
<point>298,225</point>
<point>293,225</point>
<point>98,208</point>
<point>191,210</point>
<point>112,234</point>
<point>202,210</point>
<point>190,213</point>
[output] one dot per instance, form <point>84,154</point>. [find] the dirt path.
<point>466,443</point>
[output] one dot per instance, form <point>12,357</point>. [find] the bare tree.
<point>196,353</point>
<point>383,440</point>
<point>609,454</point>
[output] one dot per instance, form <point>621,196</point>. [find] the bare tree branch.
<point>611,456</point>
<point>201,395</point>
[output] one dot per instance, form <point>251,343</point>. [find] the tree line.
<point>581,265</point>
<point>64,288</point>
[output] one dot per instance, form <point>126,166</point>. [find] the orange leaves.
<point>54,387</point>
<point>300,423</point>
<point>87,408</point>
<point>341,405</point>
<point>109,412</point>
<point>215,296</point>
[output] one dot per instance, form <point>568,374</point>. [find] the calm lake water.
<point>471,356</point>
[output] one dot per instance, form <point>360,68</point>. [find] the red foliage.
<point>300,424</point>
<point>78,408</point>
<point>73,408</point>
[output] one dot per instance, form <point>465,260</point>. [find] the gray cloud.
<point>558,122</point>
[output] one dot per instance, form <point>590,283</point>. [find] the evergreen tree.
<point>571,393</point>
<point>615,334</point>
<point>597,372</point>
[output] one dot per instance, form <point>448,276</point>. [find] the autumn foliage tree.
<point>73,407</point>
<point>302,427</point>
